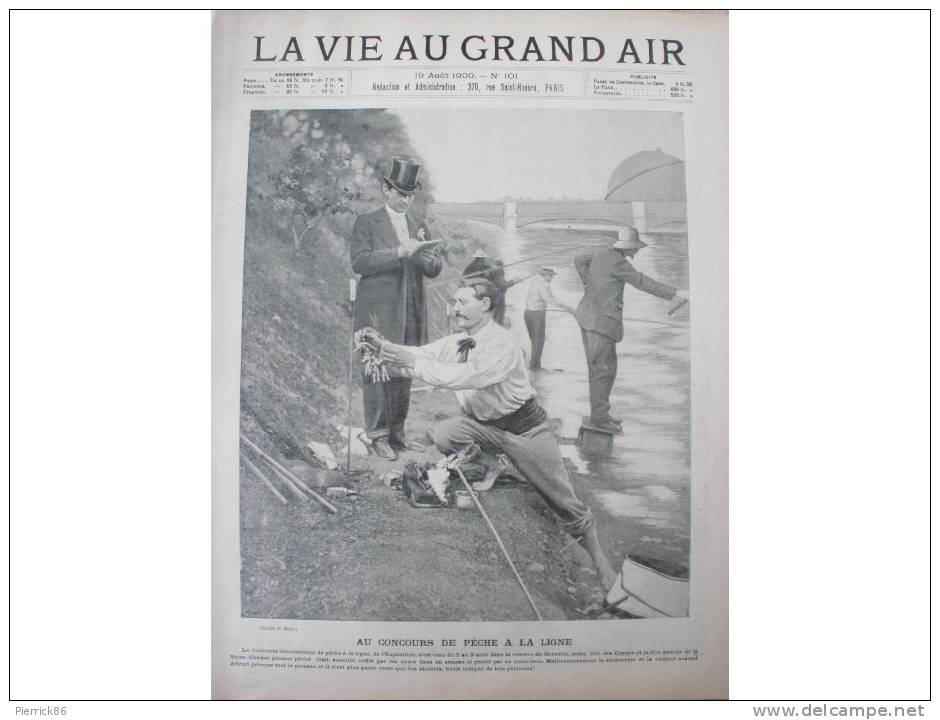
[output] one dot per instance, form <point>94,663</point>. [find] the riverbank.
<point>379,558</point>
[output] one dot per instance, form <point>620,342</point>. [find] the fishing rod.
<point>454,463</point>
<point>516,262</point>
<point>634,319</point>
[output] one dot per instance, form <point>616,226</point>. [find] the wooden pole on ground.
<point>288,477</point>
<point>295,489</point>
<point>291,482</point>
<point>264,479</point>
<point>287,473</point>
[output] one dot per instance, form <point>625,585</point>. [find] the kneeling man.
<point>486,369</point>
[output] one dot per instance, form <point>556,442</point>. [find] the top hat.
<point>404,175</point>
<point>480,254</point>
<point>547,269</point>
<point>628,239</point>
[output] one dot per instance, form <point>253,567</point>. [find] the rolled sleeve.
<point>481,370</point>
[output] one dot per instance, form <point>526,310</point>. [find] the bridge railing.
<point>644,215</point>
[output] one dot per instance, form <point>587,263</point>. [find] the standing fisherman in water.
<point>536,305</point>
<point>600,315</point>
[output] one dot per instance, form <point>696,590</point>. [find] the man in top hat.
<point>500,412</point>
<point>388,250</point>
<point>539,298</point>
<point>484,267</point>
<point>600,315</point>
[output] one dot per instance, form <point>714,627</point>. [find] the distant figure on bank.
<point>539,298</point>
<point>499,411</point>
<point>600,315</point>
<point>483,267</point>
<point>387,251</point>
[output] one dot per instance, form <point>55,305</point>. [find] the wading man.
<point>393,262</point>
<point>486,369</point>
<point>536,305</point>
<point>600,315</point>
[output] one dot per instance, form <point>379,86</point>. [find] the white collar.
<point>481,333</point>
<point>394,213</point>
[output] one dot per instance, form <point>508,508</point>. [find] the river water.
<point>641,494</point>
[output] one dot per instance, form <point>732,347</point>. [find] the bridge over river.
<point>646,217</point>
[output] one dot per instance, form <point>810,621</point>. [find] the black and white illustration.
<point>465,366</point>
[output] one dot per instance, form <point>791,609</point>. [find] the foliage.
<point>310,172</point>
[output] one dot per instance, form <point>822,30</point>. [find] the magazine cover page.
<point>469,354</point>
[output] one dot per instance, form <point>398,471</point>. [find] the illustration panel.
<point>465,369</point>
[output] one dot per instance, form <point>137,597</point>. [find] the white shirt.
<point>400,223</point>
<point>492,383</point>
<point>540,294</point>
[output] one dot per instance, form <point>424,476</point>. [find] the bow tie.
<point>464,347</point>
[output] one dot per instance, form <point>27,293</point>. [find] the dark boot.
<point>399,441</point>
<point>383,450</point>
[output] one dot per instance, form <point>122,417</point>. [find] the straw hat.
<point>628,239</point>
